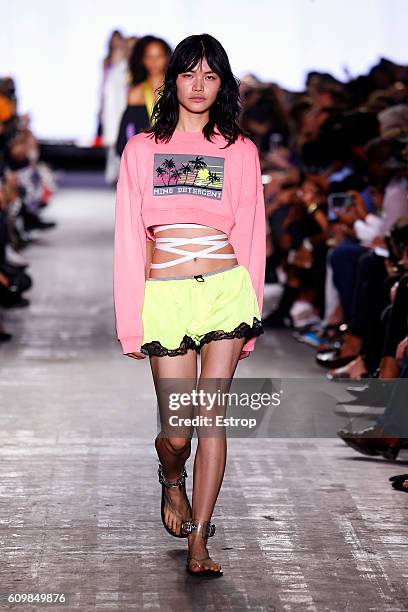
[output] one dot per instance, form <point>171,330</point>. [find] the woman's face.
<point>309,192</point>
<point>198,88</point>
<point>155,59</point>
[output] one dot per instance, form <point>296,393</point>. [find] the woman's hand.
<point>393,291</point>
<point>136,355</point>
<point>4,280</point>
<point>402,350</point>
<point>359,203</point>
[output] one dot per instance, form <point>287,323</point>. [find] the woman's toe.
<point>169,520</point>
<point>167,517</point>
<point>194,566</point>
<point>211,565</point>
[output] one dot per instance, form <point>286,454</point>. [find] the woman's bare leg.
<point>173,445</point>
<point>219,360</point>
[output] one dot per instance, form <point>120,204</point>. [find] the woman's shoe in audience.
<point>5,336</point>
<point>14,257</point>
<point>42,225</point>
<point>333,359</point>
<point>34,222</point>
<point>11,269</point>
<point>276,321</point>
<point>22,303</point>
<point>354,370</point>
<point>372,441</point>
<point>13,300</point>
<point>311,338</point>
<point>375,394</point>
<point>400,482</point>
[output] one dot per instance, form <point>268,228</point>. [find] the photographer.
<point>390,432</point>
<point>303,249</point>
<point>359,264</point>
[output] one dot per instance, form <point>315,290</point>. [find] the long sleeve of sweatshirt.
<point>248,235</point>
<point>129,255</point>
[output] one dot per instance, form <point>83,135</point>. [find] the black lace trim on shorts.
<point>242,331</point>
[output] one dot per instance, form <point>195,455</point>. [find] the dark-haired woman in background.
<point>194,166</point>
<point>114,97</point>
<point>115,41</point>
<point>147,65</point>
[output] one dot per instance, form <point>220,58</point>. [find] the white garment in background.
<point>395,202</point>
<point>112,166</point>
<point>395,205</point>
<point>332,299</point>
<point>114,101</point>
<point>368,229</point>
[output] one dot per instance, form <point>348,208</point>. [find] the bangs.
<point>192,56</point>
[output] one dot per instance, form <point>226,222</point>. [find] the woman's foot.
<point>176,506</point>
<point>177,509</point>
<point>355,370</point>
<point>203,564</point>
<point>351,345</point>
<point>198,560</point>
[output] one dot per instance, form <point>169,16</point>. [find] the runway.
<point>303,524</point>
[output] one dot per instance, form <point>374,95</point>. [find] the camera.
<point>338,201</point>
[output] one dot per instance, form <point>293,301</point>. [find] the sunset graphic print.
<point>175,174</point>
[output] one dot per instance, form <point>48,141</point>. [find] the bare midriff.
<point>195,265</point>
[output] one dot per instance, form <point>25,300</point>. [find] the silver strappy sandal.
<point>205,529</point>
<point>166,483</point>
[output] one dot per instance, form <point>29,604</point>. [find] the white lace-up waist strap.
<point>170,244</point>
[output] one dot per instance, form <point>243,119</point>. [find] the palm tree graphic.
<point>198,164</point>
<point>176,174</point>
<point>168,164</point>
<point>186,169</point>
<point>212,178</point>
<point>161,172</point>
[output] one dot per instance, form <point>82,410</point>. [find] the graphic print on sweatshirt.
<point>175,174</point>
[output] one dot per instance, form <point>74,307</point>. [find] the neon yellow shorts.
<point>181,313</point>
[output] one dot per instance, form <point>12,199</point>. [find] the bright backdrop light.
<point>54,49</point>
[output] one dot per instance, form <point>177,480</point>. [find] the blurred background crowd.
<point>26,187</point>
<point>334,163</point>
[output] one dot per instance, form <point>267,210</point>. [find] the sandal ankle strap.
<point>180,481</point>
<point>204,528</point>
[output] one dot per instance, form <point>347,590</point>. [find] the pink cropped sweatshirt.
<point>191,180</point>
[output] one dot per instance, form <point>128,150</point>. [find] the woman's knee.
<point>177,445</point>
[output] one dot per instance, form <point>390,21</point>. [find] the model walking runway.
<point>303,524</point>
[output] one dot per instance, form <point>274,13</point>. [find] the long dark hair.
<point>138,72</point>
<point>224,113</point>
